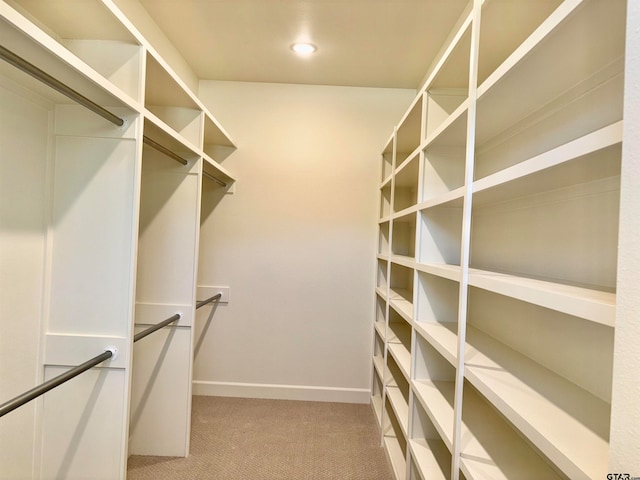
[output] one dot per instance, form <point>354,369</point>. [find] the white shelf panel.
<point>381,292</point>
<point>396,457</point>
<point>436,397</point>
<point>402,357</point>
<point>376,404</point>
<point>398,300</point>
<point>593,305</point>
<point>442,336</point>
<point>600,139</point>
<point>378,364</point>
<point>380,328</point>
<point>400,407</point>
<point>453,198</point>
<point>568,424</point>
<point>405,212</point>
<point>492,450</point>
<point>403,260</point>
<point>450,272</point>
<point>432,459</point>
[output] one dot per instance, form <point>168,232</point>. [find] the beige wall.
<point>296,241</point>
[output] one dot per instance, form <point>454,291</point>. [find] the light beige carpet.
<point>252,439</point>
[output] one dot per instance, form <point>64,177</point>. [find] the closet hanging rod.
<point>202,303</point>
<point>157,326</point>
<point>211,177</point>
<point>162,149</point>
<point>35,72</point>
<point>54,382</point>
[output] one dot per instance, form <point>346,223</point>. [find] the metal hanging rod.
<point>162,149</point>
<point>35,72</point>
<point>54,382</point>
<point>202,303</point>
<point>211,177</point>
<point>157,326</point>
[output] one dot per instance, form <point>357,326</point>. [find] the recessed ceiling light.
<point>304,48</point>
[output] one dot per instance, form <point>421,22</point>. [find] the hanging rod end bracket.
<point>113,350</point>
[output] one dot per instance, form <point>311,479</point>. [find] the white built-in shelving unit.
<point>107,228</point>
<point>497,253</point>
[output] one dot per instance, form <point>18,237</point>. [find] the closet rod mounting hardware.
<point>211,177</point>
<point>35,72</point>
<point>157,326</point>
<point>54,382</point>
<point>202,303</point>
<point>162,149</point>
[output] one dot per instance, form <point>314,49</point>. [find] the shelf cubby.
<point>399,346</point>
<point>443,171</point>
<point>408,133</point>
<point>380,309</point>
<point>385,201</point>
<point>395,443</point>
<point>569,426</point>
<point>453,73</point>
<point>433,387</point>
<point>170,102</point>
<point>217,143</point>
<point>440,232</point>
<point>383,238</point>
<point>378,351</point>
<point>503,110</point>
<point>559,220</point>
<point>428,451</point>
<point>504,26</point>
<point>376,398</point>
<point>492,449</point>
<point>403,239</point>
<point>401,290</point>
<point>386,161</point>
<point>381,276</point>
<point>405,193</point>
<point>398,393</point>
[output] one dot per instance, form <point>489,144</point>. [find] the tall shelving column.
<point>90,190</point>
<point>541,208</point>
<point>94,174</point>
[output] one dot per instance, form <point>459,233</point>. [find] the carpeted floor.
<point>252,439</point>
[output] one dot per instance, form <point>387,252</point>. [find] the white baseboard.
<point>282,392</point>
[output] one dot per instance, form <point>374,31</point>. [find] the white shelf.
<point>432,458</point>
<point>593,305</point>
<point>492,450</point>
<point>381,292</point>
<point>402,356</point>
<point>541,173</point>
<point>403,260</point>
<point>398,300</point>
<point>450,199</point>
<point>396,457</point>
<point>436,397</point>
<point>568,424</point>
<point>400,407</point>
<point>442,336</point>
<point>378,363</point>
<point>450,272</point>
<point>376,404</point>
<point>380,328</point>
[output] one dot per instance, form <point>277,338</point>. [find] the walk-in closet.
<point>409,257</point>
